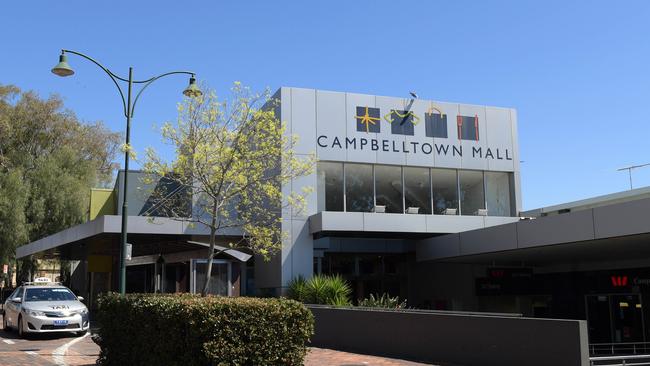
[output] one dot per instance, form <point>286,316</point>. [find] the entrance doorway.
<point>615,318</point>
<point>220,281</point>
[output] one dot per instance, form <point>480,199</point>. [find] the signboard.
<point>129,250</point>
<point>509,272</point>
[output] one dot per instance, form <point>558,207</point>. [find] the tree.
<point>234,158</point>
<point>48,161</point>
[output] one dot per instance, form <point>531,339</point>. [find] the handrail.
<point>633,348</point>
<point>596,361</point>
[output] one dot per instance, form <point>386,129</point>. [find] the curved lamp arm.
<point>108,72</point>
<point>150,81</point>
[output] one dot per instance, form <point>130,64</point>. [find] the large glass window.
<point>330,186</point>
<point>388,183</point>
<point>472,195</point>
<point>417,190</point>
<point>445,191</point>
<point>499,194</point>
<point>359,191</point>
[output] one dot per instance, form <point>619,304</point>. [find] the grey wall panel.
<point>330,121</point>
<point>303,119</point>
<point>352,101</point>
<point>416,157</point>
<point>446,157</point>
<point>500,144</point>
<point>491,239</point>
<point>311,201</point>
<point>342,221</point>
<point>626,218</point>
<point>303,251</point>
<point>385,105</point>
<point>439,247</point>
<point>453,223</point>
<point>565,228</point>
<point>469,161</point>
<point>446,338</point>
<point>394,222</point>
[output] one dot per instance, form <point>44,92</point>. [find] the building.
<point>415,198</point>
<point>390,171</point>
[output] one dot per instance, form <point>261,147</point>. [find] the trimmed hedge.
<point>148,329</point>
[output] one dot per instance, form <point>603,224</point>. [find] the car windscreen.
<point>48,294</point>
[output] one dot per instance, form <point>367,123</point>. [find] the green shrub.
<point>147,329</point>
<point>321,289</point>
<point>298,289</point>
<point>383,301</point>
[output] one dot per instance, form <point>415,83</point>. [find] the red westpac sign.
<point>619,281</point>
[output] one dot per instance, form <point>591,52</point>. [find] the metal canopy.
<point>236,254</point>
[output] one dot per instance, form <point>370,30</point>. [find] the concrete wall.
<point>453,338</point>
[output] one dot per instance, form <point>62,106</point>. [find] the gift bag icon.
<point>435,124</point>
<point>467,127</point>
<point>367,119</point>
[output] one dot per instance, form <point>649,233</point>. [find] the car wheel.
<point>21,332</point>
<point>5,327</point>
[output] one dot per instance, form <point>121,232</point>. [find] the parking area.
<point>60,349</point>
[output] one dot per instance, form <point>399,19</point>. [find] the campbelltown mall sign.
<point>402,123</point>
<point>411,147</point>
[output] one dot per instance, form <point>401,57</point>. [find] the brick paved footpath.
<point>50,350</point>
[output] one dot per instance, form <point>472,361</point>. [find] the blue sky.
<point>578,72</point>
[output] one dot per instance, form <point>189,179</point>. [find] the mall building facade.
<point>415,198</point>
<point>390,171</point>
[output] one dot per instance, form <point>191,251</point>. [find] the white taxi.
<point>42,306</point>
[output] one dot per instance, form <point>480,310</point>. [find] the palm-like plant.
<point>321,289</point>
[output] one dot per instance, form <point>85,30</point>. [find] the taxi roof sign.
<point>42,280</point>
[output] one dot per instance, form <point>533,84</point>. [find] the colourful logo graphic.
<point>402,122</point>
<point>435,124</point>
<point>368,119</point>
<point>619,281</point>
<point>467,127</point>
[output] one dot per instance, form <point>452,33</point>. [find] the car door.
<point>13,308</point>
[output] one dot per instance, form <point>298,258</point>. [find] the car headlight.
<point>83,311</point>
<point>34,312</point>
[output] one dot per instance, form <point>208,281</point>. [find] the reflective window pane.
<point>499,194</point>
<point>388,183</point>
<point>330,186</point>
<point>417,190</point>
<point>359,188</point>
<point>445,191</point>
<point>218,281</point>
<point>472,197</point>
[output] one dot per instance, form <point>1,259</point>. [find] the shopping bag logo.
<point>467,127</point>
<point>435,123</point>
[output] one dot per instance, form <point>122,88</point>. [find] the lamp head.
<point>62,68</point>
<point>192,90</point>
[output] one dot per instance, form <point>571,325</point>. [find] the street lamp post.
<point>192,90</point>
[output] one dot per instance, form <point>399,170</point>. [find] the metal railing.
<point>620,360</point>
<point>623,348</point>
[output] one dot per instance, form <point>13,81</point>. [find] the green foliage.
<point>321,289</point>
<point>383,301</point>
<point>234,156</point>
<point>147,329</point>
<point>48,161</point>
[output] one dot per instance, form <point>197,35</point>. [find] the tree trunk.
<point>213,239</point>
